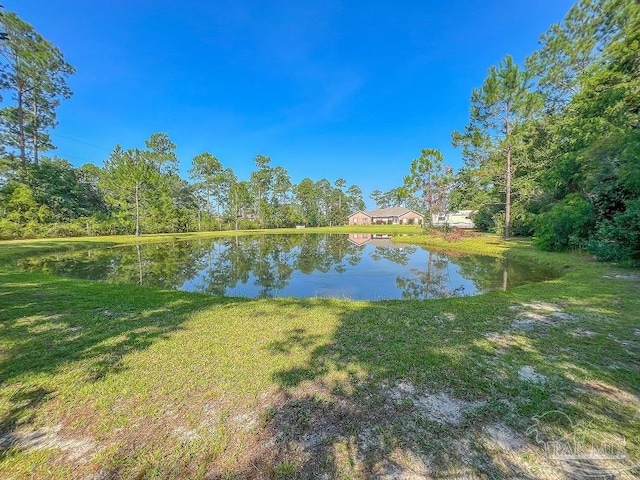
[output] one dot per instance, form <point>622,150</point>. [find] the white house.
<point>459,219</point>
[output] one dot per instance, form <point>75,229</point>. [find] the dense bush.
<point>64,230</point>
<point>9,229</point>
<point>522,224</point>
<point>487,218</point>
<point>566,225</point>
<point>619,239</point>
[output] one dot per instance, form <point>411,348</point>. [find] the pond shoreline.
<point>356,266</point>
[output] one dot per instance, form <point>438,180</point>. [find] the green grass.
<point>133,382</point>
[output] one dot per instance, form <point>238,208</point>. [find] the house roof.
<point>359,211</point>
<point>387,212</point>
<point>390,212</point>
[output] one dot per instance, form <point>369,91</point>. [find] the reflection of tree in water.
<point>88,264</point>
<point>161,265</point>
<point>323,253</point>
<point>486,272</point>
<point>311,255</point>
<point>270,260</point>
<point>432,282</point>
<point>496,273</point>
<point>273,263</point>
<point>221,264</point>
<point>399,255</point>
<point>355,256</point>
<point>167,265</point>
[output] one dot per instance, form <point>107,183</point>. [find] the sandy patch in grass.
<point>504,437</point>
<point>610,392</point>
<point>76,449</point>
<point>581,332</point>
<point>356,433</point>
<point>503,340</point>
<point>438,407</point>
<point>535,315</point>
<point>629,277</point>
<point>528,374</point>
<point>185,435</point>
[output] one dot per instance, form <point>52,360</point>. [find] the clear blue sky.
<point>350,89</point>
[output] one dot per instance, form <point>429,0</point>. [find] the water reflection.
<point>357,266</point>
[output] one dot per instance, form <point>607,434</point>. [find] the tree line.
<point>551,149</point>
<point>139,190</point>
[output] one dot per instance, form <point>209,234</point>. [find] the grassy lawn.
<point>118,381</point>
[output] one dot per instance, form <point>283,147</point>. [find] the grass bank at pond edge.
<point>120,381</point>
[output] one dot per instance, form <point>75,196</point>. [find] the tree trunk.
<point>209,226</point>
<point>507,214</point>
<point>22,141</point>
<point>35,132</point>
<point>507,210</point>
<point>137,208</point>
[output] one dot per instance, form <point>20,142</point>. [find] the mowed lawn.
<point>104,381</point>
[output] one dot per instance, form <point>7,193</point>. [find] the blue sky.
<point>350,89</point>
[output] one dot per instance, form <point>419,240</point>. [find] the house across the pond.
<point>387,216</point>
<point>459,219</point>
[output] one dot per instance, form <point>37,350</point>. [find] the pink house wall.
<point>410,218</point>
<point>359,219</point>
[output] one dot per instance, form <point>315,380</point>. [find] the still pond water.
<point>356,266</point>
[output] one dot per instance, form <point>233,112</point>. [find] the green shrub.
<point>245,224</point>
<point>32,229</point>
<point>522,224</point>
<point>65,230</point>
<point>619,239</point>
<point>486,217</point>
<point>567,225</point>
<point>9,230</point>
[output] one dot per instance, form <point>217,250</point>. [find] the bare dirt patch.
<point>503,340</point>
<point>364,433</point>
<point>611,392</point>
<point>438,407</point>
<point>628,277</point>
<point>505,438</point>
<point>528,374</point>
<point>540,315</point>
<point>580,332</point>
<point>185,435</point>
<point>75,449</point>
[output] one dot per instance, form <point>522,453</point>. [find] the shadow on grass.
<point>82,329</point>
<point>452,389</point>
<point>24,402</point>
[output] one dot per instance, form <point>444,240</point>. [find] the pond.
<point>355,266</point>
